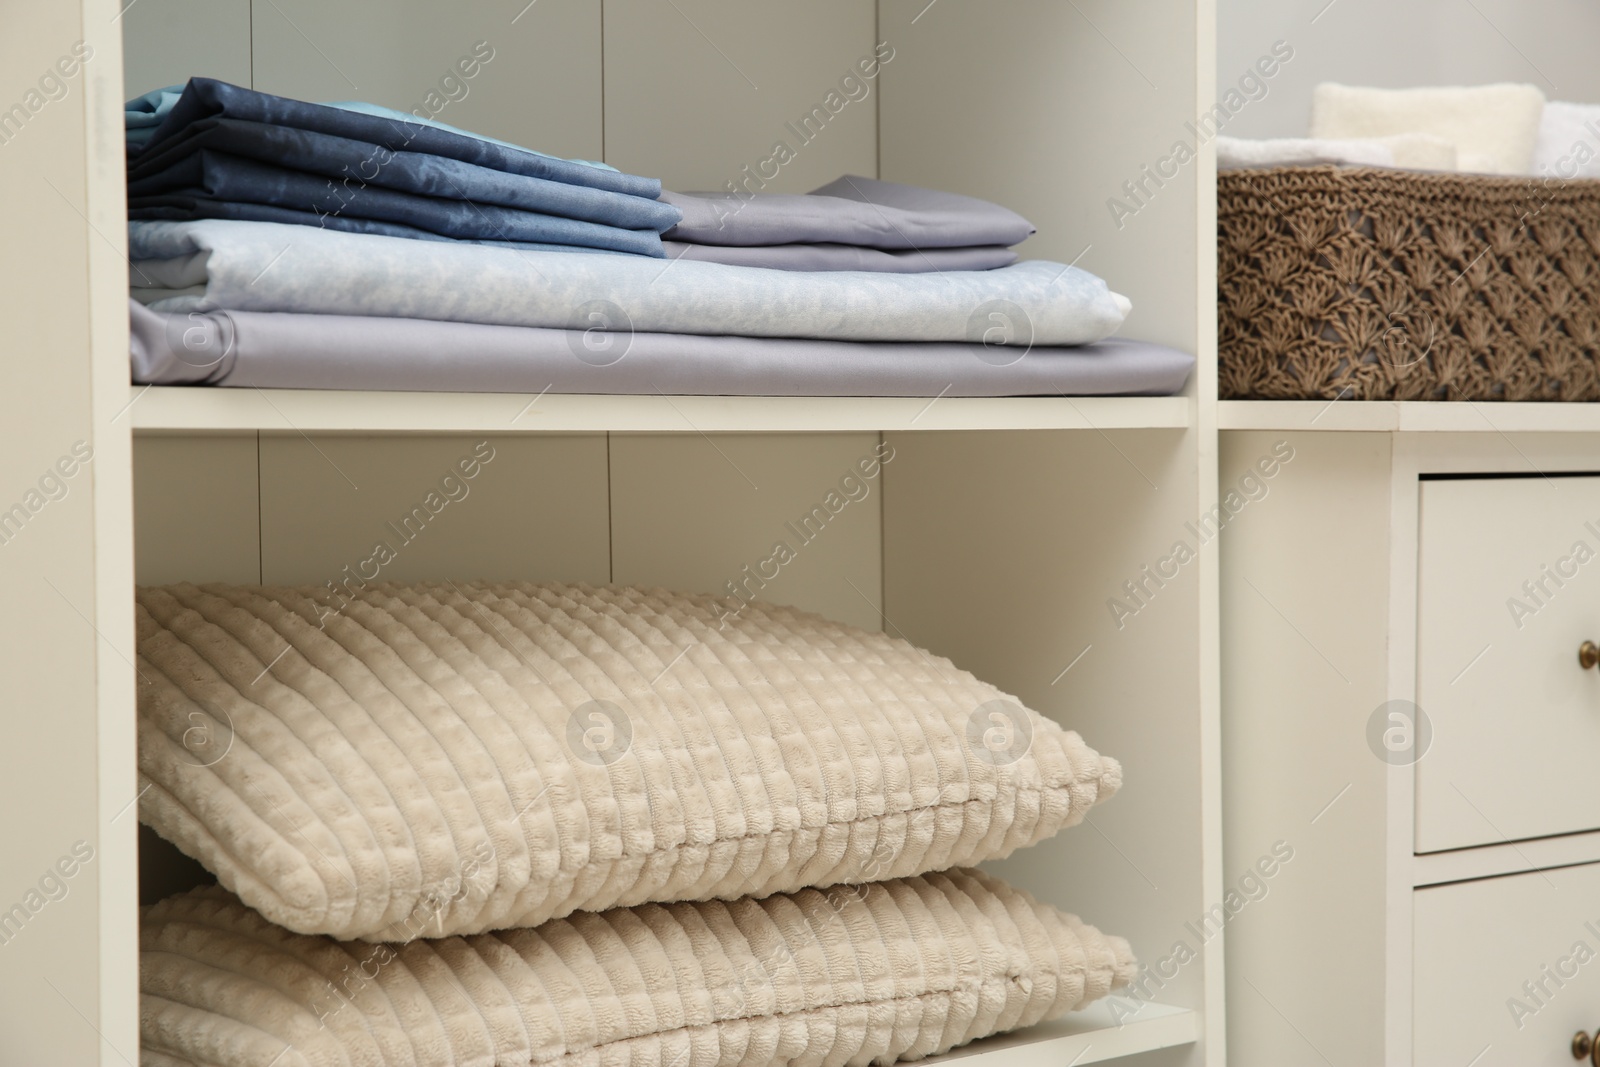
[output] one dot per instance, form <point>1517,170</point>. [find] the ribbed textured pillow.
<point>436,759</point>
<point>895,970</point>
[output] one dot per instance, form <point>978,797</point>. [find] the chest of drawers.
<point>1405,704</point>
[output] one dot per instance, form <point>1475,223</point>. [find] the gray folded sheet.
<point>851,211</point>
<point>845,257</point>
<point>272,350</point>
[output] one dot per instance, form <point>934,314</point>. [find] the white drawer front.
<point>1508,589</point>
<point>1507,969</point>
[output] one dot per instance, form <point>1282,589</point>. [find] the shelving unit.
<point>997,535</point>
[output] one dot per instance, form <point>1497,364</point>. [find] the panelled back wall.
<point>1547,43</point>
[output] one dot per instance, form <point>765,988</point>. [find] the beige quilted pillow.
<point>435,759</point>
<point>896,970</point>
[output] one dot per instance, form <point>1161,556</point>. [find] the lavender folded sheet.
<point>831,257</point>
<point>851,211</point>
<point>206,98</point>
<point>297,351</point>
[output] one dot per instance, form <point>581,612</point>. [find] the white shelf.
<point>1417,416</point>
<point>1098,1033</point>
<point>222,410</point>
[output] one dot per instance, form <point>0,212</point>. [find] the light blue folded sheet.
<point>257,266</point>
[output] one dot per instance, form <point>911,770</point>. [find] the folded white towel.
<point>1418,151</point>
<point>1299,152</point>
<point>1569,141</point>
<point>1493,127</point>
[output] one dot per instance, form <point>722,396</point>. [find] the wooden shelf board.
<point>1107,1029</point>
<point>1414,416</point>
<point>156,409</point>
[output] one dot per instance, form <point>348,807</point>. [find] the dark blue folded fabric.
<point>190,208</point>
<point>206,98</point>
<point>189,160</point>
<point>209,176</point>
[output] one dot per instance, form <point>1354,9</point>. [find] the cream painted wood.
<point>1001,551</point>
<point>1504,602</point>
<point>697,91</point>
<point>1477,943</point>
<point>1409,416</point>
<point>1304,624</point>
<point>1491,861</point>
<point>1105,1030</point>
<point>158,408</point>
<point>66,769</point>
<point>536,510</point>
<point>167,42</point>
<point>1356,518</point>
<point>693,511</point>
<point>1048,108</point>
<point>536,69</point>
<point>197,514</point>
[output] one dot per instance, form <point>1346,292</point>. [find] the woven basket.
<point>1367,284</point>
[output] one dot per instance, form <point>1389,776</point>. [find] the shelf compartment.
<point>213,410</point>
<point>1416,416</point>
<point>1106,1030</point>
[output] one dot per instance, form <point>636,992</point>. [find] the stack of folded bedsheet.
<point>575,827</point>
<point>280,244</point>
<point>225,152</point>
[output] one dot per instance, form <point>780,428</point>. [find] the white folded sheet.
<point>257,266</point>
<point>1417,151</point>
<point>1493,127</point>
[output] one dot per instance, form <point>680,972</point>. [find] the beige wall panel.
<point>540,87</point>
<point>196,512</point>
<point>167,42</point>
<point>535,511</point>
<point>1305,630</point>
<point>1047,108</point>
<point>1547,43</point>
<point>1001,551</point>
<point>699,89</point>
<point>690,512</point>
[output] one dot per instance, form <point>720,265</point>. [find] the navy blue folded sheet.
<point>219,177</point>
<point>205,153</point>
<point>205,98</point>
<point>191,208</point>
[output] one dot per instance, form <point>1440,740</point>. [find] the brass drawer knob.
<point>1581,1045</point>
<point>1588,655</point>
